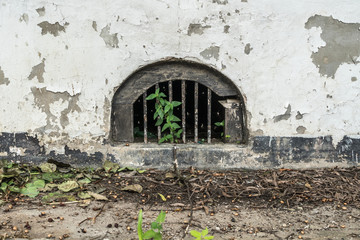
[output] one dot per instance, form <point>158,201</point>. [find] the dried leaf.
<point>133,188</point>
<point>162,197</point>
<point>68,186</point>
<point>84,195</point>
<point>48,167</point>
<point>98,196</point>
<point>308,185</point>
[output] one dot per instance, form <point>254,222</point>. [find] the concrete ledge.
<point>262,152</point>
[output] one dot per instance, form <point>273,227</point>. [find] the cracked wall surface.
<point>295,62</point>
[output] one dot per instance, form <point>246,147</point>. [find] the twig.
<point>102,208</point>
<point>86,219</point>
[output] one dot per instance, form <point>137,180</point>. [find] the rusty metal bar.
<point>209,115</point>
<point>170,91</point>
<point>183,110</point>
<point>196,112</point>
<point>145,118</point>
<point>159,127</point>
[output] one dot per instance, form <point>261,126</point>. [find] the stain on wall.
<point>301,129</point>
<point>94,25</point>
<point>44,98</point>
<point>353,79</point>
<point>38,71</point>
<point>3,79</point>
<point>196,28</point>
<point>221,2</point>
<point>52,29</point>
<point>41,11</point>
<point>111,40</point>
<point>211,52</point>
<point>24,18</point>
<point>342,43</point>
<point>247,49</point>
<point>284,116</point>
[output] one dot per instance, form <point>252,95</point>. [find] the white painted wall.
<point>81,73</point>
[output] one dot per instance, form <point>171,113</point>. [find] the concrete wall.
<point>295,62</point>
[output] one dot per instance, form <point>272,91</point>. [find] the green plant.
<point>164,111</point>
<point>222,125</point>
<point>156,227</point>
<point>201,235</point>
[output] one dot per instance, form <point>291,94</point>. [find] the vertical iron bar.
<point>183,110</point>
<point>209,115</point>
<point>145,117</point>
<point>170,91</point>
<point>159,127</point>
<point>196,111</point>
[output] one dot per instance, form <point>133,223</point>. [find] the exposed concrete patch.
<point>111,40</point>
<point>53,29</point>
<point>299,116</point>
<point>342,43</point>
<point>196,28</point>
<point>38,71</point>
<point>41,11</point>
<point>284,116</point>
<point>3,79</point>
<point>221,2</point>
<point>24,18</point>
<point>247,49</point>
<point>258,132</point>
<point>210,52</point>
<point>43,98</point>
<point>353,79</point>
<point>107,111</point>
<point>94,25</point>
<point>226,28</point>
<point>301,129</point>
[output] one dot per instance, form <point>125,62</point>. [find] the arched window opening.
<point>212,109</point>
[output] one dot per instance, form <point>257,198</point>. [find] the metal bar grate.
<point>159,127</point>
<point>209,115</point>
<point>196,112</point>
<point>145,118</point>
<point>183,110</point>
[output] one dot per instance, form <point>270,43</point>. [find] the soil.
<point>265,204</point>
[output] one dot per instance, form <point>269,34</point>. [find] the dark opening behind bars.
<point>199,111</point>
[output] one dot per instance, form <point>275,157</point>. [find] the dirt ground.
<point>266,204</point>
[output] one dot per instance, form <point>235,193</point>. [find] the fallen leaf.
<point>84,195</point>
<point>162,197</point>
<point>47,167</point>
<point>68,186</point>
<point>110,166</point>
<point>97,196</point>
<point>133,188</point>
<point>169,175</point>
<point>308,185</point>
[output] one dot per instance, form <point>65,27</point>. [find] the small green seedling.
<point>156,227</point>
<point>201,235</point>
<point>164,111</point>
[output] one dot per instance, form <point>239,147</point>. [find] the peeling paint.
<point>53,29</point>
<point>3,79</point>
<point>24,18</point>
<point>299,116</point>
<point>111,40</point>
<point>300,129</point>
<point>221,2</point>
<point>211,52</point>
<point>247,49</point>
<point>41,11</point>
<point>226,28</point>
<point>284,116</point>
<point>38,71</point>
<point>43,98</point>
<point>94,25</point>
<point>342,43</point>
<point>196,28</point>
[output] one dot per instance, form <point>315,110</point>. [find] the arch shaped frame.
<point>122,116</point>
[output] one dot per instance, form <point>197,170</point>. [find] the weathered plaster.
<point>52,28</point>
<point>273,52</point>
<point>3,79</point>
<point>342,43</point>
<point>38,71</point>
